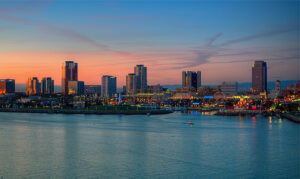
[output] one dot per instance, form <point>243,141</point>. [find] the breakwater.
<point>78,111</point>
<point>291,117</point>
<point>239,112</point>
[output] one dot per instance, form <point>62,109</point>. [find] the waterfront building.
<point>92,89</point>
<point>76,87</point>
<point>259,76</point>
<point>156,89</point>
<point>141,77</point>
<point>69,73</point>
<point>109,86</point>
<point>131,83</point>
<point>7,86</point>
<point>47,85</point>
<point>191,79</point>
<point>124,90</point>
<point>278,85</point>
<point>229,88</point>
<point>33,86</point>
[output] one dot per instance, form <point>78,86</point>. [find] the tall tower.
<point>278,85</point>
<point>191,79</point>
<point>259,76</point>
<point>131,81</point>
<point>33,86</point>
<point>141,78</point>
<point>7,86</point>
<point>69,73</point>
<point>47,86</point>
<point>109,86</point>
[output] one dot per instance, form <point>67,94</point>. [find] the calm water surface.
<point>164,146</point>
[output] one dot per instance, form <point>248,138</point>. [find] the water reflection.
<point>70,149</point>
<point>163,146</point>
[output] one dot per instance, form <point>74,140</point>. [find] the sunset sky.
<point>219,38</point>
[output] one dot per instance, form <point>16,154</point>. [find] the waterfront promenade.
<point>239,112</point>
<point>86,111</point>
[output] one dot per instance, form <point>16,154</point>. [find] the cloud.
<point>213,39</point>
<point>110,3</point>
<point>32,7</point>
<point>72,35</point>
<point>202,55</point>
<point>260,35</point>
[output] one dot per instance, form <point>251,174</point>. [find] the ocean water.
<point>176,145</point>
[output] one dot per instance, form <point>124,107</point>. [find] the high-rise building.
<point>109,86</point>
<point>141,78</point>
<point>92,89</point>
<point>7,86</point>
<point>47,85</point>
<point>229,88</point>
<point>69,73</point>
<point>33,86</point>
<point>155,89</point>
<point>278,85</point>
<point>191,79</point>
<point>76,88</point>
<point>259,76</point>
<point>131,81</point>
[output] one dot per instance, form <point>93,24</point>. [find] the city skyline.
<point>192,36</point>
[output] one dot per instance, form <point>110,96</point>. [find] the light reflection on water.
<point>162,146</point>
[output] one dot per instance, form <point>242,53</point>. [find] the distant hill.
<point>244,86</point>
<point>271,85</point>
<point>22,88</point>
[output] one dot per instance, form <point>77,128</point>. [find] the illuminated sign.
<point>208,97</point>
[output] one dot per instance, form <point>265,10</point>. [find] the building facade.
<point>7,86</point>
<point>69,73</point>
<point>278,85</point>
<point>92,90</point>
<point>108,86</point>
<point>33,86</point>
<point>191,79</point>
<point>259,76</point>
<point>141,78</point>
<point>131,82</point>
<point>155,89</point>
<point>229,88</point>
<point>47,85</point>
<point>76,88</point>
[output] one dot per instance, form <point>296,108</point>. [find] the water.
<point>164,146</point>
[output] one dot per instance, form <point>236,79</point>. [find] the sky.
<point>219,38</point>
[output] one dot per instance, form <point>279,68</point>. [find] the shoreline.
<point>97,112</point>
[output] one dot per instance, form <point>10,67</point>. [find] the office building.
<point>191,79</point>
<point>108,86</point>
<point>47,86</point>
<point>7,86</point>
<point>76,87</point>
<point>259,76</point>
<point>155,89</point>
<point>229,88</point>
<point>33,86</point>
<point>131,82</point>
<point>69,73</point>
<point>141,78</point>
<point>278,85</point>
<point>92,90</point>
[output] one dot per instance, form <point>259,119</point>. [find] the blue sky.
<point>216,37</point>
